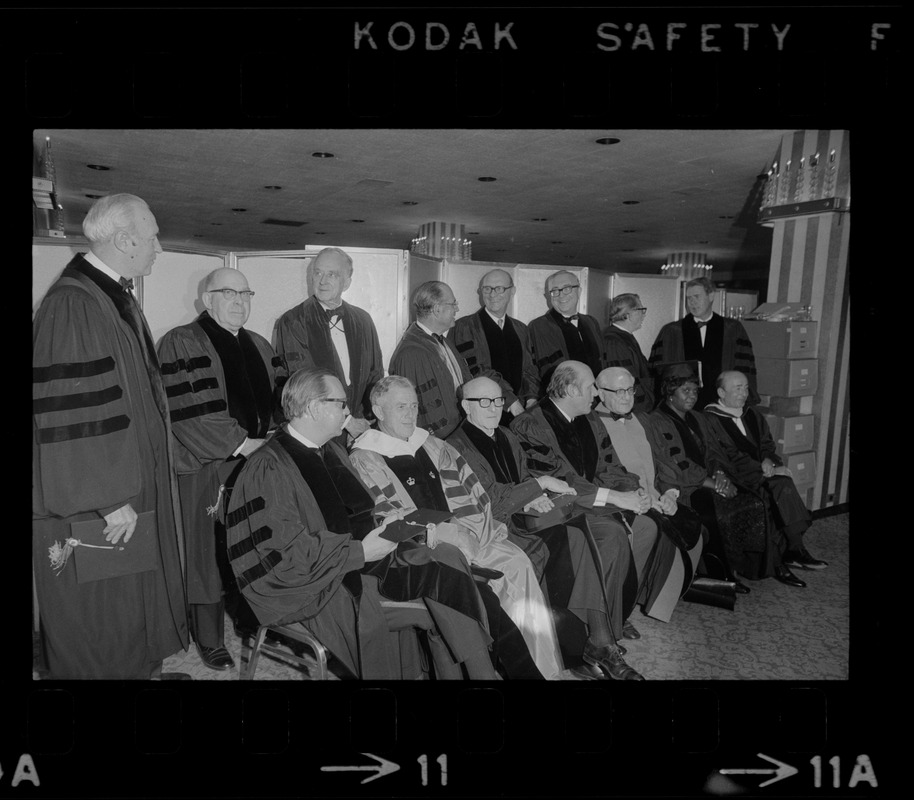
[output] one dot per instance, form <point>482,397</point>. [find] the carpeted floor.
<point>775,633</point>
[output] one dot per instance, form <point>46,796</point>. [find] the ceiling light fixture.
<point>273,187</point>
<point>608,140</point>
<point>99,167</point>
<point>410,203</point>
<point>239,209</point>
<point>487,179</point>
<point>630,202</point>
<point>541,219</point>
<point>686,265</point>
<point>322,155</point>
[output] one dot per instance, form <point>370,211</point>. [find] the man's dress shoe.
<point>784,575</point>
<point>740,587</point>
<point>802,559</point>
<point>629,631</point>
<point>609,659</point>
<point>217,658</point>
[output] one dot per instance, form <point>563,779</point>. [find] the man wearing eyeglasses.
<point>429,359</point>
<point>666,570</point>
<point>562,333</point>
<point>101,452</point>
<point>222,382</point>
<point>626,315</point>
<point>325,332</point>
<point>497,346</point>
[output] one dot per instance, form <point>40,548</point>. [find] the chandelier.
<point>687,265</point>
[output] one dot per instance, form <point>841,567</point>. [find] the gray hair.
<point>427,296</point>
<point>383,386</point>
<point>303,388</point>
<point>564,377</point>
<point>705,283</point>
<point>110,214</point>
<point>555,275</point>
<point>337,250</point>
<point>622,304</point>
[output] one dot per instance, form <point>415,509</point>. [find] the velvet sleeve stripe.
<point>431,383</point>
<point>278,362</point>
<point>535,465</point>
<point>241,514</point>
<point>245,546</point>
<point>466,511</point>
<point>177,389</point>
<point>683,465</point>
<point>84,430</point>
<point>189,365</point>
<point>450,475</point>
<point>259,570</point>
<point>198,410</point>
<point>68,402</point>
<point>80,369</point>
<point>455,491</point>
<point>464,346</point>
<point>541,362</point>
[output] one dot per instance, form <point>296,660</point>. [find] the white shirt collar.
<point>324,306</point>
<point>304,440</point>
<point>429,332</point>
<point>495,319</point>
<point>699,319</point>
<point>562,411</point>
<point>101,266</point>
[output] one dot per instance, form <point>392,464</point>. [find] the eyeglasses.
<point>630,392</point>
<point>455,304</point>
<point>341,400</point>
<point>485,402</point>
<point>564,291</point>
<point>231,294</point>
<point>640,308</point>
<point>496,290</point>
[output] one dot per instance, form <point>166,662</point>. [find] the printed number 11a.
<point>442,761</point>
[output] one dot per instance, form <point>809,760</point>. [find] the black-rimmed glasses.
<point>485,402</point>
<point>341,400</point>
<point>231,294</point>
<point>630,392</point>
<point>496,290</point>
<point>564,291</point>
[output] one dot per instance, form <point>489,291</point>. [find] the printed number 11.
<point>442,761</point>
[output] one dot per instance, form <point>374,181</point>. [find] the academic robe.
<point>292,569</point>
<point>550,348</point>
<point>208,426</point>
<point>741,536</point>
<point>727,347</point>
<point>101,440</point>
<point>418,358</point>
<point>302,337</point>
<point>745,452</point>
<point>560,554</point>
<point>517,590</point>
<point>669,569</point>
<point>472,343</point>
<point>609,525</point>
<point>621,349</point>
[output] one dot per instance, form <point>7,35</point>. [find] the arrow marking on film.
<point>783,771</point>
<point>383,767</point>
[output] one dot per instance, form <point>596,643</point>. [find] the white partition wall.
<point>48,261</point>
<point>281,280</point>
<point>659,295</point>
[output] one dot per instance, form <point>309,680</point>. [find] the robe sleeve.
<point>540,457</point>
<point>291,341</point>
<point>744,471</point>
<point>276,369</point>
<point>412,362</point>
<point>193,379</point>
<point>285,566</point>
<point>87,454</point>
<point>379,480</point>
<point>673,468</point>
<point>610,473</point>
<point>530,381</point>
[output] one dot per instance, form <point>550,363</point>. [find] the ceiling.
<point>558,198</point>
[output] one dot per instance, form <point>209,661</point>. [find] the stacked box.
<point>782,377</point>
<point>793,434</point>
<point>803,467</point>
<point>794,339</point>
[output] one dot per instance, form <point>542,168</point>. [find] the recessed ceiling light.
<point>487,179</point>
<point>215,223</point>
<point>239,209</point>
<point>703,241</point>
<point>410,203</point>
<point>541,219</point>
<point>557,242</point>
<point>608,140</point>
<point>322,155</point>
<point>630,202</point>
<point>99,167</point>
<point>357,220</point>
<point>94,196</point>
<point>320,233</point>
<point>630,230</point>
<point>472,233</point>
<point>725,216</point>
<point>273,187</point>
<point>198,236</point>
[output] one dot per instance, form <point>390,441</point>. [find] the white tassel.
<point>60,555</point>
<point>214,508</point>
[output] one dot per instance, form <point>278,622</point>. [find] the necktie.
<point>439,338</point>
<point>616,416</point>
<point>126,284</point>
<point>501,323</point>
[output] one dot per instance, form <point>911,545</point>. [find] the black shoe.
<point>217,658</point>
<point>801,559</point>
<point>740,587</point>
<point>586,672</point>
<point>629,631</point>
<point>609,659</point>
<point>784,575</point>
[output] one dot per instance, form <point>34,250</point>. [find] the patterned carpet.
<point>775,633</point>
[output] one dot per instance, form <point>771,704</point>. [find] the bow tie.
<point>126,284</point>
<point>616,416</point>
<point>701,323</point>
<point>571,318</point>
<point>333,313</point>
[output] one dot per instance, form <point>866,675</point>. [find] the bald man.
<point>562,333</point>
<point>222,382</point>
<point>497,346</point>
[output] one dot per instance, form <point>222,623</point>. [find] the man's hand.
<point>249,446</point>
<point>667,502</point>
<point>531,402</point>
<point>456,535</point>
<point>639,501</point>
<point>120,523</point>
<point>550,484</point>
<point>374,545</point>
<point>541,504</point>
<point>722,484</point>
<point>768,468</point>
<point>356,426</point>
<point>516,408</point>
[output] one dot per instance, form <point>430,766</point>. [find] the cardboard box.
<point>776,312</point>
<point>41,185</point>
<point>793,339</point>
<point>787,377</point>
<point>803,467</point>
<point>792,434</point>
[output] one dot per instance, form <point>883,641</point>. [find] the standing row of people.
<point>290,498</point>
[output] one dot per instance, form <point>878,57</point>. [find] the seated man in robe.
<point>418,471</point>
<point>561,553</point>
<point>673,562</point>
<point>306,549</point>
<point>688,458</point>
<point>743,434</point>
<point>561,436</point>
